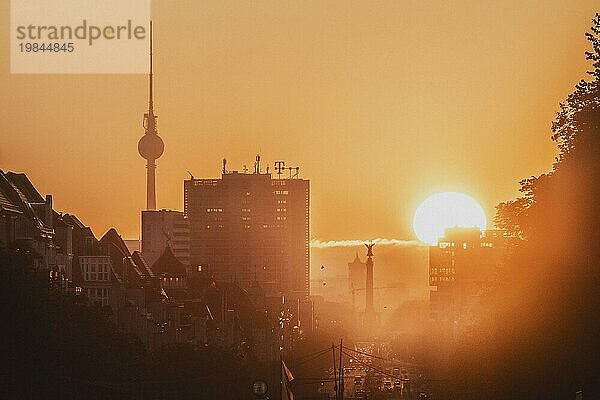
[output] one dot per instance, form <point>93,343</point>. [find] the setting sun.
<point>446,210</point>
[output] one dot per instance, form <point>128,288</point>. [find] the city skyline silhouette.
<point>346,93</point>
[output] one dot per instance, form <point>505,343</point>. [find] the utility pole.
<point>341,385</point>
<point>335,383</point>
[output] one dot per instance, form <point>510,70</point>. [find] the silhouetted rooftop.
<point>25,187</point>
<point>141,263</point>
<point>124,266</point>
<point>168,264</point>
<point>6,203</point>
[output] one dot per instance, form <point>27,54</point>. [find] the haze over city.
<point>347,90</point>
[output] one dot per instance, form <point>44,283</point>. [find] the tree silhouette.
<point>540,338</point>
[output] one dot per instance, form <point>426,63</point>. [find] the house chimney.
<point>48,211</point>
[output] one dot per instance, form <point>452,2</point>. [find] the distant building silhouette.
<point>164,228</point>
<point>461,266</point>
<point>357,275</point>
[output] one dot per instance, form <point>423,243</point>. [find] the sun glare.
<point>446,210</point>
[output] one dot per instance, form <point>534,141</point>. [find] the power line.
<point>370,366</point>
<point>311,357</point>
<point>367,354</point>
<point>312,354</point>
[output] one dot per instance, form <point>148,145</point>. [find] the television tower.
<point>150,146</point>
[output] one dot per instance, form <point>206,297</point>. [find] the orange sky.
<point>381,103</point>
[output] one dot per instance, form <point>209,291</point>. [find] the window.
<point>103,273</point>
<point>95,268</point>
<point>98,295</point>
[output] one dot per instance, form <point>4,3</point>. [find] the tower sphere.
<point>151,146</point>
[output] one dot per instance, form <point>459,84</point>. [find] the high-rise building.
<point>357,275</point>
<point>251,227</point>
<point>461,266</point>
<point>164,228</point>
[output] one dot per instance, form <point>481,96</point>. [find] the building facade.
<point>461,267</point>
<point>357,275</point>
<point>28,223</point>
<point>97,279</point>
<point>165,227</point>
<point>247,227</point>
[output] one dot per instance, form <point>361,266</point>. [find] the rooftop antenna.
<point>191,176</point>
<point>294,171</point>
<point>151,76</point>
<point>257,164</point>
<point>224,166</point>
<point>279,166</point>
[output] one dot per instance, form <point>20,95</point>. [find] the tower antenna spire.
<point>150,146</point>
<point>151,76</point>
